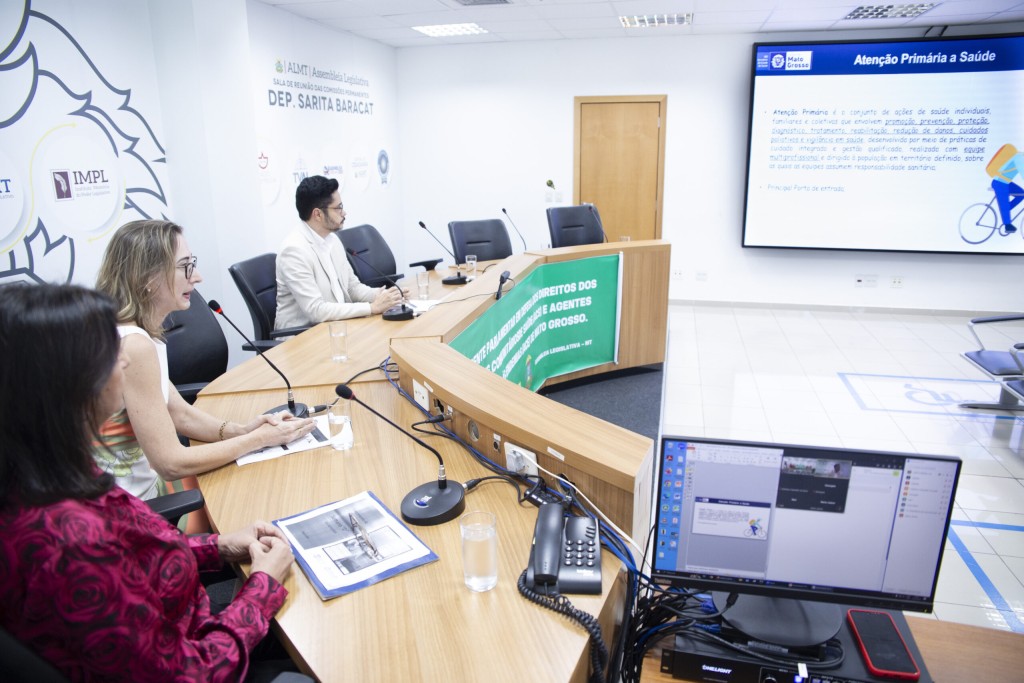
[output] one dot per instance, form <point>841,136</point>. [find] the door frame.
<point>578,103</point>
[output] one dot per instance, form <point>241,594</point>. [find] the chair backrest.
<point>373,260</point>
<point>487,239</point>
<point>19,663</point>
<point>571,226</point>
<point>256,279</point>
<point>197,352</point>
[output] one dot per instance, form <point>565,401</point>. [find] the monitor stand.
<point>782,621</point>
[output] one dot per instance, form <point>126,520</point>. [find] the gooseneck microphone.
<point>514,226</point>
<point>505,275</point>
<point>399,312</point>
<point>458,278</point>
<point>432,503</point>
<point>296,409</point>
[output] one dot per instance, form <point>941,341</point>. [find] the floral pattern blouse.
<point>107,590</point>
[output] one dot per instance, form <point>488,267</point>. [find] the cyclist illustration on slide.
<point>980,221</point>
<point>755,529</point>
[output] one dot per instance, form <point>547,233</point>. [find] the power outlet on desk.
<point>520,460</point>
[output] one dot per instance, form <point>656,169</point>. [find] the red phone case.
<point>873,667</point>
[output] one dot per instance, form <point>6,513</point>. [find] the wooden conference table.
<point>423,624</point>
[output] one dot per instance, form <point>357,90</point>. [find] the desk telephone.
<point>566,553</point>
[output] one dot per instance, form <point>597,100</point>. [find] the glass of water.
<point>471,266</point>
<point>479,550</point>
<point>339,420</point>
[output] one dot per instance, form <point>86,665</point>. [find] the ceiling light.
<point>652,20</point>
<point>445,30</point>
<point>906,11</point>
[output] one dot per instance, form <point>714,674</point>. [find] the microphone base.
<point>428,504</point>
<point>454,280</point>
<point>400,312</point>
<point>301,410</point>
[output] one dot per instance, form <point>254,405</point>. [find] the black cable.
<point>557,602</point>
<point>383,367</point>
<point>473,483</point>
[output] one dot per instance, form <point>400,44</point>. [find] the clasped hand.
<point>262,544</point>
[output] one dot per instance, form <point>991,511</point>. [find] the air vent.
<point>476,3</point>
<point>907,11</point>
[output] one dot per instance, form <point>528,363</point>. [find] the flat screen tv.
<point>914,145</point>
<point>804,525</point>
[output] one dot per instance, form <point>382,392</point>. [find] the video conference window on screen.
<point>802,518</point>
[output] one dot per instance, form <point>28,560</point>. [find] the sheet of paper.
<point>315,439</point>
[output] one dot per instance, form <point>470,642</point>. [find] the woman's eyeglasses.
<point>189,267</point>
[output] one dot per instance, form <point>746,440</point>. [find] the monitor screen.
<point>811,523</point>
<point>913,145</point>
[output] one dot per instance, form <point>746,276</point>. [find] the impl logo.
<point>263,161</point>
<point>62,185</point>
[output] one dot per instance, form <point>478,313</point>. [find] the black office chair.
<point>256,279</point>
<point>571,226</point>
<point>1002,366</point>
<point>487,239</point>
<point>197,352</point>
<point>373,262</point>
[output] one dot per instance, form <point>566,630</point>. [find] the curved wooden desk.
<point>424,625</point>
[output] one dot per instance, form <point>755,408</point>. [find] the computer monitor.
<point>802,523</point>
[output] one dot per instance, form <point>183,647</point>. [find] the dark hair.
<point>314,192</point>
<point>59,344</point>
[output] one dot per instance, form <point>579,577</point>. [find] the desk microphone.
<point>432,503</point>
<point>400,312</point>
<point>458,278</point>
<point>296,409</point>
<point>501,283</point>
<point>514,226</point>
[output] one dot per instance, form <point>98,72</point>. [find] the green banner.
<point>561,318</point>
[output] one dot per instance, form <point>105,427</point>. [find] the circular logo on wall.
<point>13,203</point>
<point>268,170</point>
<point>79,184</point>
<point>383,166</point>
<point>359,170</point>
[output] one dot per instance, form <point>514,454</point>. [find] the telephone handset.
<point>566,553</point>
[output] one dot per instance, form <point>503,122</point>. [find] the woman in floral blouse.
<point>93,581</point>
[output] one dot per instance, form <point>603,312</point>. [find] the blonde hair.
<point>137,256</point>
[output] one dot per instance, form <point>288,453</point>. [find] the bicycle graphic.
<point>755,529</point>
<point>980,221</point>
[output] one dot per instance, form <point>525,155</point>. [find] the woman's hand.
<point>236,546</point>
<point>272,555</point>
<point>282,428</point>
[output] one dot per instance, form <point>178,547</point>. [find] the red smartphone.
<point>885,652</point>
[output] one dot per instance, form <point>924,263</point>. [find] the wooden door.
<point>620,162</point>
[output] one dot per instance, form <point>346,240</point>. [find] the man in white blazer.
<point>314,279</point>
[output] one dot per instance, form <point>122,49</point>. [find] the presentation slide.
<point>913,145</point>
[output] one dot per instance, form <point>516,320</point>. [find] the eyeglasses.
<point>339,208</point>
<point>189,267</point>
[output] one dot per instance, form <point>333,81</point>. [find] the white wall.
<point>211,61</point>
<point>483,126</point>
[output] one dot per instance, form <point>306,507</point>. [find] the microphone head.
<point>504,211</point>
<point>423,225</point>
<point>343,391</point>
<point>212,303</point>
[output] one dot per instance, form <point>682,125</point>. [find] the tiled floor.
<point>865,379</point>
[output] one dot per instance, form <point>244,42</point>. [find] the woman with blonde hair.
<point>149,272</point>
